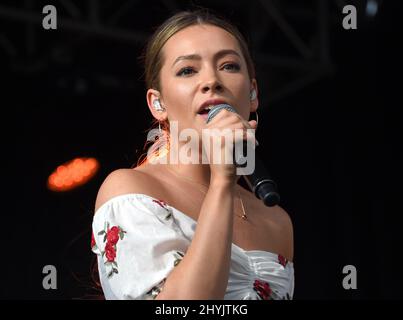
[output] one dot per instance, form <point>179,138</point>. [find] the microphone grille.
<point>217,108</point>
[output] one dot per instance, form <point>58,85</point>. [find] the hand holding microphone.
<point>259,181</point>
<point>225,118</point>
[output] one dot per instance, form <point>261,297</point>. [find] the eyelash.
<point>235,68</point>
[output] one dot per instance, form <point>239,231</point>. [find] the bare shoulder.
<point>280,218</point>
<point>276,220</point>
<point>275,213</point>
<point>281,215</point>
<point>123,181</point>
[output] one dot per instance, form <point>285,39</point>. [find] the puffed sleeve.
<point>138,242</point>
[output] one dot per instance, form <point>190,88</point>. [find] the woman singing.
<point>179,230</point>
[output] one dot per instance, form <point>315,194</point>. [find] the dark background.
<point>325,93</point>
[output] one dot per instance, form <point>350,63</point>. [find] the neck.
<point>198,173</point>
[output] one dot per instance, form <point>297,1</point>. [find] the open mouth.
<point>204,116</point>
<point>204,112</point>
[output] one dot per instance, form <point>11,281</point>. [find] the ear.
<point>153,95</point>
<point>254,103</point>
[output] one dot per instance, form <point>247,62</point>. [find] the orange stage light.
<point>72,174</point>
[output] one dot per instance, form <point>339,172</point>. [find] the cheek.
<point>179,97</point>
<point>240,86</point>
<point>244,100</point>
<point>183,91</point>
<point>177,90</point>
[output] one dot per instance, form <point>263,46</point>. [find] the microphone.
<point>259,181</point>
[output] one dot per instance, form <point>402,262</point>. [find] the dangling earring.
<point>257,123</point>
<point>257,118</point>
<point>252,96</point>
<point>159,108</point>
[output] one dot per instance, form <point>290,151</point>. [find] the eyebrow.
<point>218,55</point>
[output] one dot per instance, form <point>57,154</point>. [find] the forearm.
<point>203,271</point>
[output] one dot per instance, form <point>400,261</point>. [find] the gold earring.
<point>257,123</point>
<point>257,118</point>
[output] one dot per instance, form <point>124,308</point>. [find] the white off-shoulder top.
<point>139,240</point>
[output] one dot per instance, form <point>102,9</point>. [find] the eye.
<point>231,67</point>
<point>185,71</point>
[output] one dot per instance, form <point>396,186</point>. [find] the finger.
<point>223,119</point>
<point>253,124</point>
<point>218,117</point>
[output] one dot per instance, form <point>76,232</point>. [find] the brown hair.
<point>153,59</point>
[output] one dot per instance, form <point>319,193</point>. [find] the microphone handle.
<point>262,185</point>
<point>259,181</point>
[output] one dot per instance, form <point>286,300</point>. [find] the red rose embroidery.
<point>110,252</point>
<point>282,260</point>
<point>263,289</point>
<point>112,236</point>
<point>162,203</point>
<point>92,240</point>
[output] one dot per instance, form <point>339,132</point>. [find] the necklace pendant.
<point>244,217</point>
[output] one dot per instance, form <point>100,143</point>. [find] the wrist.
<point>222,182</point>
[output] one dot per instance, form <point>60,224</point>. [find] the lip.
<point>210,102</point>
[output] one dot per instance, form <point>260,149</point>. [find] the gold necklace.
<point>243,216</point>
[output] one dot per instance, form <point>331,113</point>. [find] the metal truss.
<point>309,59</point>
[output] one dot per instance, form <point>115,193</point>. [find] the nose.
<point>212,84</point>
